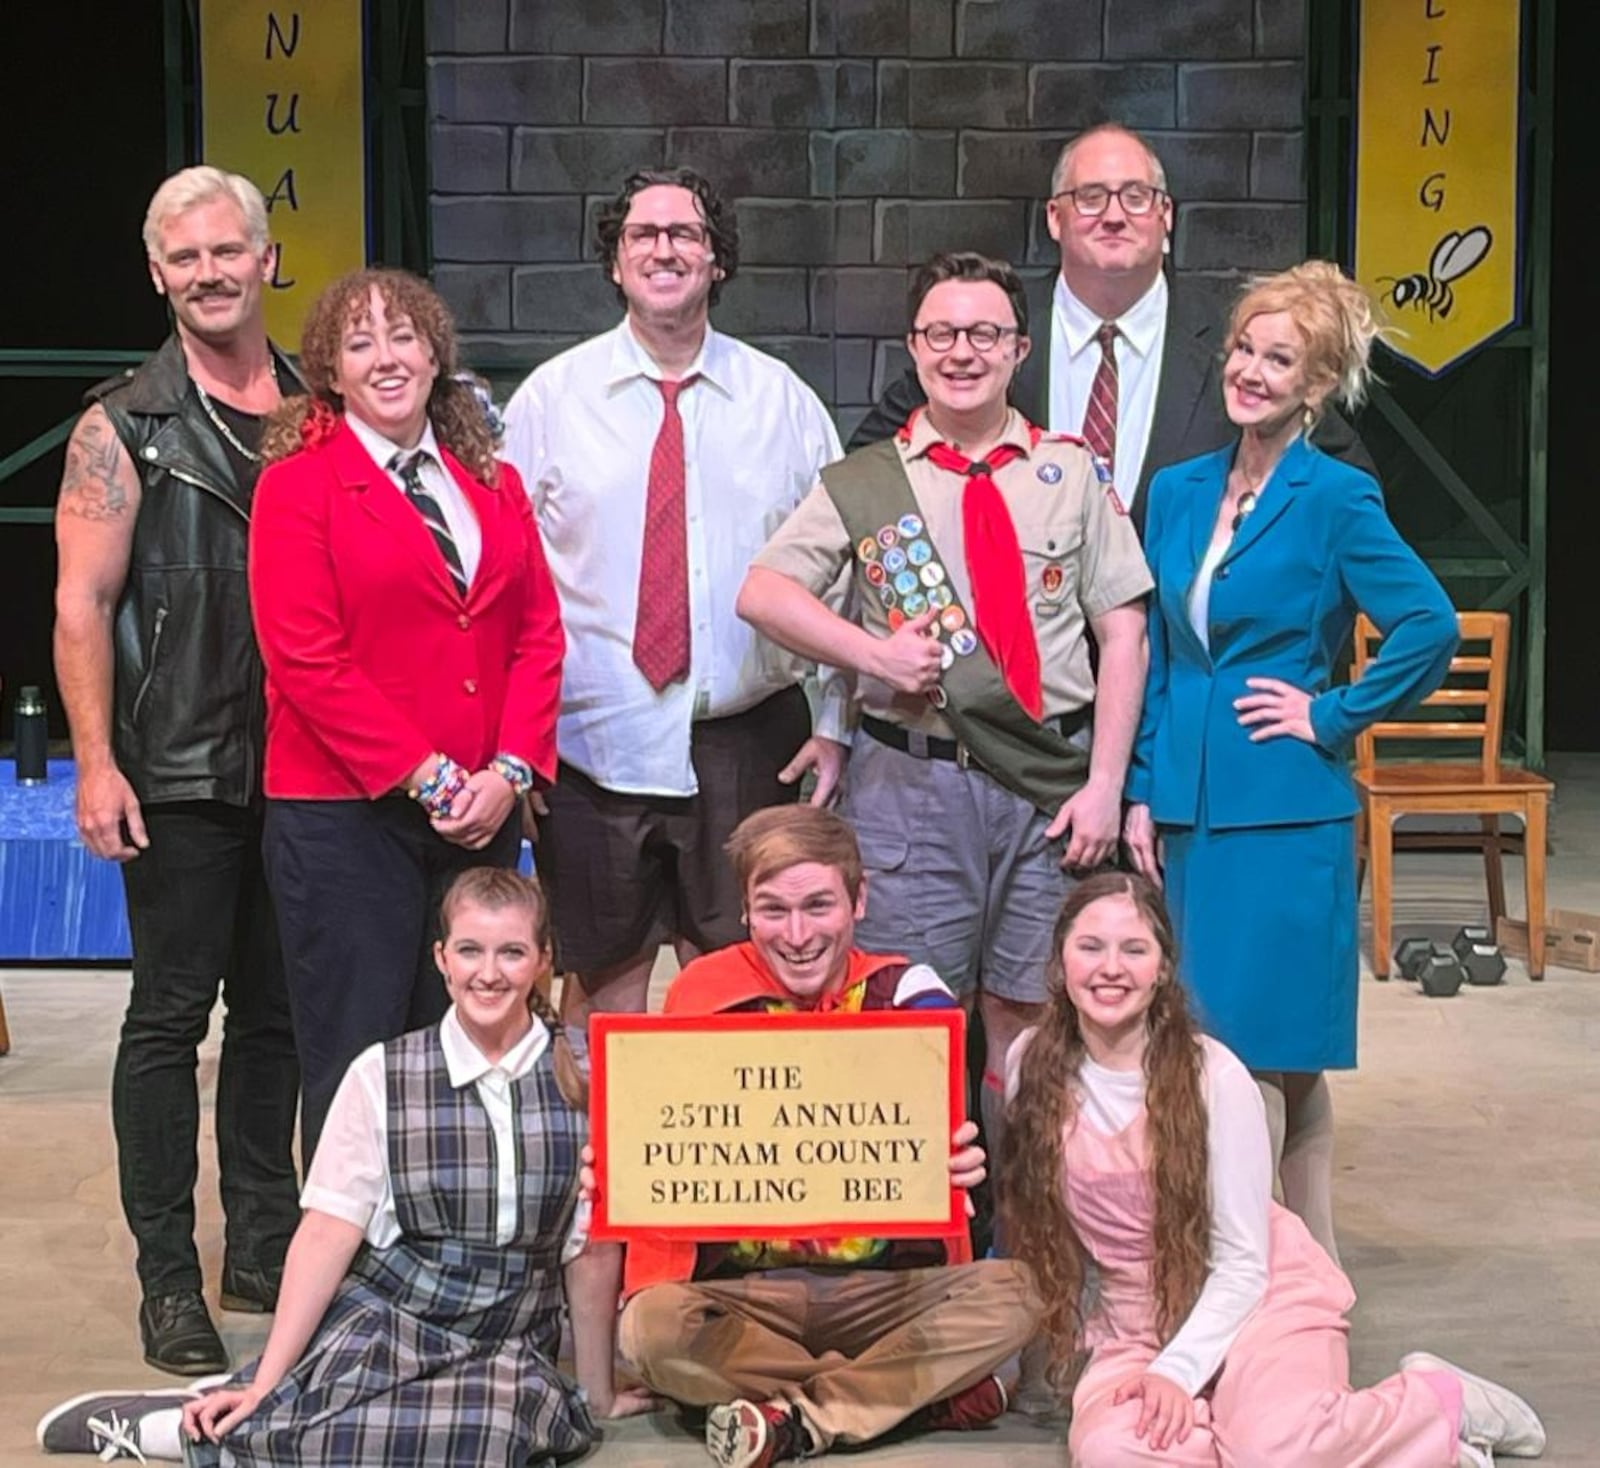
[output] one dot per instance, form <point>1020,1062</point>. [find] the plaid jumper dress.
<point>439,1351</point>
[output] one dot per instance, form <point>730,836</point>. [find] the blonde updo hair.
<point>1336,318</point>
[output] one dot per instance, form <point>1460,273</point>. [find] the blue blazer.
<point>1318,549</point>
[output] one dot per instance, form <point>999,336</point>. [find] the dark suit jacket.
<point>1189,416</point>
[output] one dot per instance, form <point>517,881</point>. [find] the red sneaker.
<point>747,1434</point>
<point>980,1404</point>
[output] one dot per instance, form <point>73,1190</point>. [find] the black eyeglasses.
<point>982,336</point>
<point>1095,199</point>
<point>682,237</point>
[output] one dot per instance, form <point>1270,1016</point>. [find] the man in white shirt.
<point>660,457</point>
<point>1112,215</point>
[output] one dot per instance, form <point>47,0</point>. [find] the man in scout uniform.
<point>984,553</point>
<point>854,1336</point>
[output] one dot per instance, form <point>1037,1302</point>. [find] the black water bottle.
<point>33,737</point>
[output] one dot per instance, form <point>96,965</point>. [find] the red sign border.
<point>603,1025</point>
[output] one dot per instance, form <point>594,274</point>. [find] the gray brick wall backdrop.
<point>857,135</point>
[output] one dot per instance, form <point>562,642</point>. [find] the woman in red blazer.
<point>412,642</point>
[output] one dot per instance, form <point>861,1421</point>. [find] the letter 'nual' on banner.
<point>772,1126</point>
<point>281,103</point>
<point>1436,171</point>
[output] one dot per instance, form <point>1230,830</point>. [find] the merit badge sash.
<point>897,564</point>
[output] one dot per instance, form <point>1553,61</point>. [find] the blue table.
<point>56,901</point>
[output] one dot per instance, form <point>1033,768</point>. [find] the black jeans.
<point>357,885</point>
<point>201,916</point>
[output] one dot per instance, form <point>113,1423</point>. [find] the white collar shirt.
<point>580,431</point>
<point>349,1174</point>
<point>1075,357</point>
<point>437,480</point>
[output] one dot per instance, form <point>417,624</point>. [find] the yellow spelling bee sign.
<point>281,103</point>
<point>1436,171</point>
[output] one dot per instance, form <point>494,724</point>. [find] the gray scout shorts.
<point>960,874</point>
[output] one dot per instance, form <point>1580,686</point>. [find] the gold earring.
<point>1308,418</point>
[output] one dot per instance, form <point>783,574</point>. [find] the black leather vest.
<point>189,704</point>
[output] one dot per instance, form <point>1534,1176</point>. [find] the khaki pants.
<point>857,1352</point>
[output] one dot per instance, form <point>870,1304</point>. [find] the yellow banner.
<point>281,103</point>
<point>1436,171</point>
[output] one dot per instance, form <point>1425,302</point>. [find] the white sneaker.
<point>1492,1416</point>
<point>1468,1456</point>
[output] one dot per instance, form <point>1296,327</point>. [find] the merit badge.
<point>910,525</point>
<point>888,536</point>
<point>919,552</point>
<point>1053,580</point>
<point>946,657</point>
<point>915,604</point>
<point>894,560</point>
<point>937,696</point>
<point>1050,473</point>
<point>905,583</point>
<point>932,574</point>
<point>886,595</point>
<point>964,642</point>
<point>952,619</point>
<point>875,573</point>
<point>897,619</point>
<point>940,596</point>
<point>1102,473</point>
<point>868,549</point>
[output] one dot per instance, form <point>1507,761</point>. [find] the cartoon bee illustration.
<point>1453,257</point>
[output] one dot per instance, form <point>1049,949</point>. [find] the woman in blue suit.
<point>1263,553</point>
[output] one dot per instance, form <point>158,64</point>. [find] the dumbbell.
<point>1479,955</point>
<point>1440,972</point>
<point>1410,956</point>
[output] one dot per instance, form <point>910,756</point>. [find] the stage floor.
<point>1468,1186</point>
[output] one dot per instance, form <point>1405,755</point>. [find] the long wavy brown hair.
<point>458,420</point>
<point>1038,1229</point>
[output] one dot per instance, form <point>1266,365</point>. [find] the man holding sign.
<point>795,1344</point>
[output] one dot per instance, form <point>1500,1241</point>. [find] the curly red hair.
<point>306,422</point>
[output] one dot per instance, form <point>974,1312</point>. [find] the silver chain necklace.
<point>249,455</point>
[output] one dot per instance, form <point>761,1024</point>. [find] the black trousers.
<point>201,917</point>
<point>357,885</point>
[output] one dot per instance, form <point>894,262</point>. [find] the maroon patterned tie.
<point>661,628</point>
<point>1100,419</point>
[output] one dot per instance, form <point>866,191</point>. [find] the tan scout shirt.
<point>1081,555</point>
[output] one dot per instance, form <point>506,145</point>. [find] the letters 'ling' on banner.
<point>281,102</point>
<point>1436,216</point>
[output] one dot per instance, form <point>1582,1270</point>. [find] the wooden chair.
<point>1473,696</point>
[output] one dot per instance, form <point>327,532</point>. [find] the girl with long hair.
<point>1217,1335</point>
<point>420,1313</point>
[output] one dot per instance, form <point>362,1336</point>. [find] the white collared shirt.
<point>349,1175</point>
<point>580,431</point>
<point>1075,357</point>
<point>437,480</point>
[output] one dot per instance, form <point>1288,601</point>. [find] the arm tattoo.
<point>91,484</point>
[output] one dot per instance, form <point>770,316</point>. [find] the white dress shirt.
<point>349,1175</point>
<point>580,430</point>
<point>437,480</point>
<point>1240,1165</point>
<point>1075,357</point>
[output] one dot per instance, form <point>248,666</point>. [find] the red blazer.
<point>373,658</point>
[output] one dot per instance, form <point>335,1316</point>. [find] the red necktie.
<point>661,629</point>
<point>994,567</point>
<point>1100,418</point>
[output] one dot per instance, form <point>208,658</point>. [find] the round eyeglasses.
<point>982,336</point>
<point>1095,199</point>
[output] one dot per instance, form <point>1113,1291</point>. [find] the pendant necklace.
<point>208,408</point>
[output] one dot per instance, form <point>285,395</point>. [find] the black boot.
<point>179,1336</point>
<point>250,1290</point>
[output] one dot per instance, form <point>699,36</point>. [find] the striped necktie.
<point>409,468</point>
<point>1100,418</point>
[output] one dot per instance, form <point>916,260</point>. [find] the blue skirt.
<point>1267,939</point>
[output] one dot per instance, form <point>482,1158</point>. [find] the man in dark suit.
<point>1122,354</point>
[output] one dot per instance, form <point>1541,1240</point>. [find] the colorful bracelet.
<point>438,792</point>
<point>517,773</point>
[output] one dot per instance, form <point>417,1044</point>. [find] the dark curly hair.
<point>718,217</point>
<point>458,419</point>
